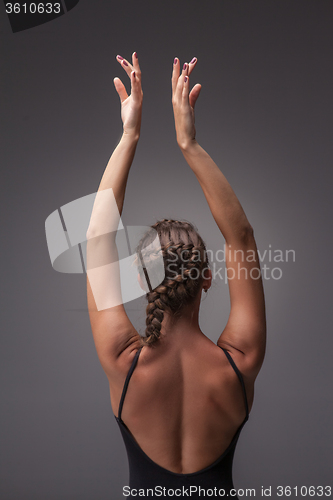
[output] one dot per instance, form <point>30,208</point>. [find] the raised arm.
<point>245,332</point>
<point>114,335</point>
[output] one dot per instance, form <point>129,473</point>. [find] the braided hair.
<point>185,261</point>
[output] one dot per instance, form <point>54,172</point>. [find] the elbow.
<point>243,236</point>
<point>247,234</point>
<point>249,231</point>
<point>90,233</point>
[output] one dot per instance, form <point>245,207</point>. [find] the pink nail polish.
<point>193,60</point>
<point>125,63</point>
<point>175,60</point>
<point>185,65</point>
<point>186,79</point>
<point>119,57</point>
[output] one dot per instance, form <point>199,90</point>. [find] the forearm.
<point>117,170</point>
<point>115,176</point>
<point>223,202</point>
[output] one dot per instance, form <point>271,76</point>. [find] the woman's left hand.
<point>131,105</point>
<point>183,102</point>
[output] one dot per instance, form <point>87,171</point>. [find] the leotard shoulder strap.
<point>129,374</point>
<point>231,361</point>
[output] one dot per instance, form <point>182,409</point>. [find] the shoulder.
<point>117,370</point>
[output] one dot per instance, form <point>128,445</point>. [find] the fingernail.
<point>193,60</point>
<point>185,65</point>
<point>175,60</point>
<point>125,63</point>
<point>119,57</point>
<point>134,74</point>
<point>135,55</point>
<point>186,79</point>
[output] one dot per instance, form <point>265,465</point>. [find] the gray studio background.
<point>265,116</point>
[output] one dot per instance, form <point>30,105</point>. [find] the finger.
<point>125,64</point>
<point>191,65</point>
<point>135,88</point>
<point>175,74</point>
<point>180,82</point>
<point>136,66</point>
<point>120,88</point>
<point>194,94</point>
<point>186,88</point>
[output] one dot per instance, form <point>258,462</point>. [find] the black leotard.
<point>151,478</point>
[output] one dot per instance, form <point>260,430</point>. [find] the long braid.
<point>183,252</point>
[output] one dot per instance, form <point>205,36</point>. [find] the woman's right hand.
<point>131,105</point>
<point>183,102</point>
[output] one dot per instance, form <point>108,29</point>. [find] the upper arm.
<point>245,332</point>
<point>114,335</point>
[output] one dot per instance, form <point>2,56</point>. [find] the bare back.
<point>184,403</point>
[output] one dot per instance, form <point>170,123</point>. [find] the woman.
<point>186,398</point>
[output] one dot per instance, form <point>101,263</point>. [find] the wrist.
<point>188,146</point>
<point>131,136</point>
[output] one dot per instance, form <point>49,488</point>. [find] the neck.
<point>183,323</point>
